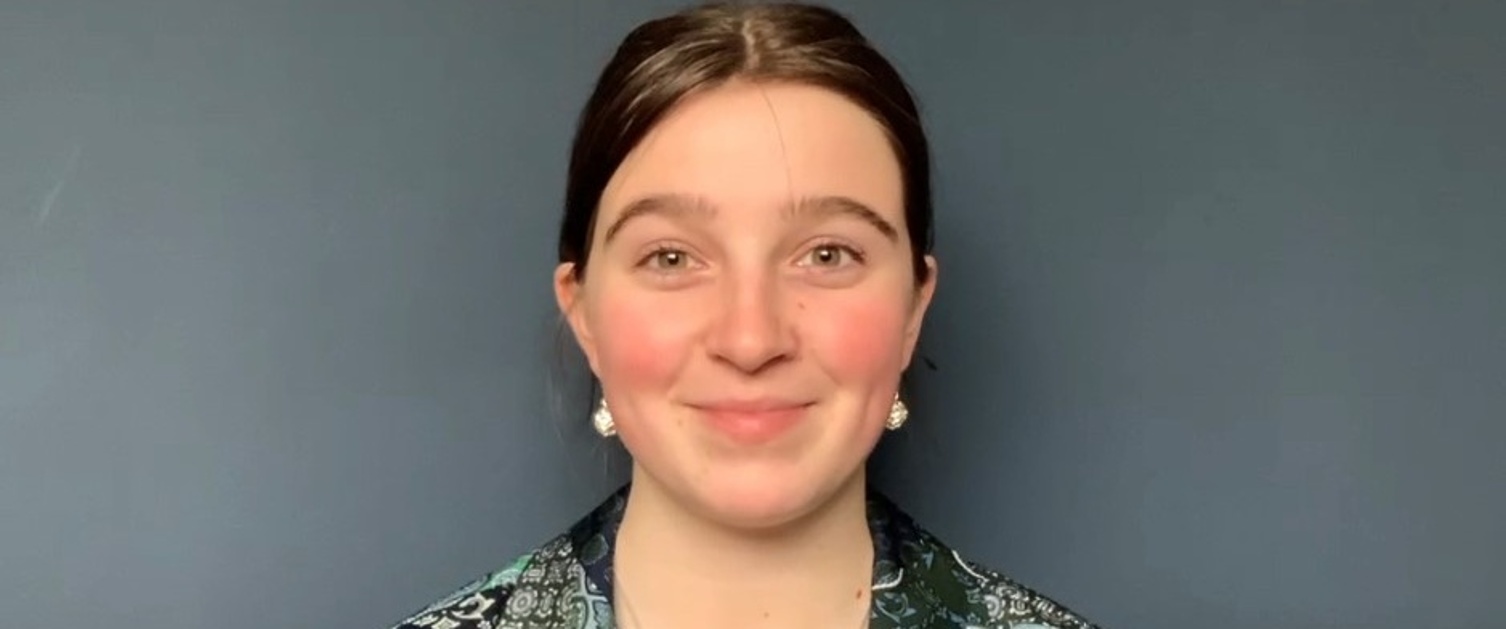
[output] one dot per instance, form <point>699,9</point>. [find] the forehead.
<point>752,148</point>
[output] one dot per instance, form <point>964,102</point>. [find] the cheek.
<point>640,342</point>
<point>857,336</point>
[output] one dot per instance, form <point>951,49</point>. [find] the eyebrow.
<point>832,206</point>
<point>818,207</point>
<point>675,205</point>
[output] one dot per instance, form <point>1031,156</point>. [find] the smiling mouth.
<point>752,423</point>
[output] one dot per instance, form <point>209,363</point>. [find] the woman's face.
<point>750,300</point>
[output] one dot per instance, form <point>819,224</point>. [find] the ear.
<point>923,294</point>
<point>569,294</point>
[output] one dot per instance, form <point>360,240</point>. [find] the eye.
<point>831,256</point>
<point>666,259</point>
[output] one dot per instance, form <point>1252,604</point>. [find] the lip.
<point>752,421</point>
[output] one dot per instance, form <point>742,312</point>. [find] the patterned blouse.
<point>917,583</point>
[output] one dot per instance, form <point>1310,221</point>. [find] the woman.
<point>744,263</point>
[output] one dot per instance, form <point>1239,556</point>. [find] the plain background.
<point>1220,339</point>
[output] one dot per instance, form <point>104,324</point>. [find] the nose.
<point>751,331</point>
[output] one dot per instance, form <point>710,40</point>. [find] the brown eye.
<point>831,256</point>
<point>668,260</point>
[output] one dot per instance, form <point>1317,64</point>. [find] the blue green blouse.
<point>917,583</point>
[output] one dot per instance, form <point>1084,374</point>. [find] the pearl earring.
<point>602,420</point>
<point>898,414</point>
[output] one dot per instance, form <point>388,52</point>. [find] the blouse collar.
<point>594,539</point>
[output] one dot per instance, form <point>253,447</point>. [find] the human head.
<point>804,109</point>
<point>664,60</point>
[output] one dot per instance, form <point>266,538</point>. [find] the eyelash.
<point>852,252</point>
<point>657,251</point>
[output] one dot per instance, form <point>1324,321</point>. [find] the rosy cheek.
<point>855,335</point>
<point>642,340</point>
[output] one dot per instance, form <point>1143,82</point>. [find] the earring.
<point>898,414</point>
<point>602,420</point>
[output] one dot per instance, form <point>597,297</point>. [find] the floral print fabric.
<point>918,583</point>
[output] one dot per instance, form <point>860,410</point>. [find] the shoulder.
<point>1007,603</point>
<point>938,587</point>
<point>477,604</point>
<point>540,588</point>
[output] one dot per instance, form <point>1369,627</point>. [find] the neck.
<point>676,569</point>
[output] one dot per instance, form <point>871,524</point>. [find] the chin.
<point>760,499</point>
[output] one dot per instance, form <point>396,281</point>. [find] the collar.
<point>897,543</point>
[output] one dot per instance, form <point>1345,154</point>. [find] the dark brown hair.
<point>664,60</point>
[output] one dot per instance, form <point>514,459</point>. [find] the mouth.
<point>752,421</point>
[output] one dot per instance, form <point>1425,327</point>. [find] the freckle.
<point>859,594</point>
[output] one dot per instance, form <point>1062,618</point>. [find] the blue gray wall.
<point>1220,341</point>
